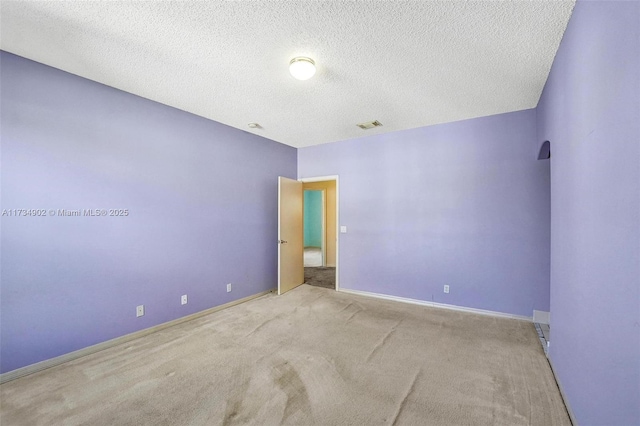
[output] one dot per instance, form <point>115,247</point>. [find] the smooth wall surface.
<point>329,188</point>
<point>464,204</point>
<point>590,112</point>
<point>201,200</point>
<point>313,218</point>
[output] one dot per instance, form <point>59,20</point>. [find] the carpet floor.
<point>310,357</point>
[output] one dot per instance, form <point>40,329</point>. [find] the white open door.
<point>290,234</point>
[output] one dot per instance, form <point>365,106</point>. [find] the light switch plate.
<point>343,229</point>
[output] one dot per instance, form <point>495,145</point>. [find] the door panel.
<point>290,234</point>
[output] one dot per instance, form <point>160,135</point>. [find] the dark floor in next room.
<point>320,276</point>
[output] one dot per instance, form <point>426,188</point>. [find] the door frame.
<point>337,179</point>
<point>324,229</point>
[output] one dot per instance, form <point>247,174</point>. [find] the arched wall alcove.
<point>545,151</point>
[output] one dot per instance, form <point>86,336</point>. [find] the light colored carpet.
<point>311,356</point>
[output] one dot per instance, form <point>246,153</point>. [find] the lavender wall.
<point>590,110</point>
<point>464,204</point>
<point>202,212</point>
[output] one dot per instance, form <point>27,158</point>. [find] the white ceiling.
<point>406,64</point>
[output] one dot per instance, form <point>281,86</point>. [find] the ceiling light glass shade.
<point>302,68</point>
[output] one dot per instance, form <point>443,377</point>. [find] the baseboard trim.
<point>574,422</point>
<point>437,305</point>
<point>43,365</point>
<point>541,317</point>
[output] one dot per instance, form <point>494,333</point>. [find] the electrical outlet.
<point>183,299</point>
<point>229,288</point>
<point>446,289</point>
<point>139,310</point>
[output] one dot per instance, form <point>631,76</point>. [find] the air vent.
<point>369,125</point>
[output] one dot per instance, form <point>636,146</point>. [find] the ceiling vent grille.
<point>369,125</point>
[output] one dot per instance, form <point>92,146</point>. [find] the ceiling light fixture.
<point>302,68</point>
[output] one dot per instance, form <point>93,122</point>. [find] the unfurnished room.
<point>320,212</point>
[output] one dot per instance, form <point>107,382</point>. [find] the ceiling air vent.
<point>369,125</point>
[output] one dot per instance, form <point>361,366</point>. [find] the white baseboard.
<point>39,366</point>
<point>437,305</point>
<point>574,422</point>
<point>541,317</point>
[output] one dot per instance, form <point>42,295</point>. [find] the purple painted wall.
<point>590,111</point>
<point>464,204</point>
<point>202,212</point>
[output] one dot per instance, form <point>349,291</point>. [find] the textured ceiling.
<point>406,64</point>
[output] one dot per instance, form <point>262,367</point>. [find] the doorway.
<point>291,271</point>
<point>320,232</point>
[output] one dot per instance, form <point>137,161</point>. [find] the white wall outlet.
<point>229,288</point>
<point>139,310</point>
<point>343,229</point>
<point>183,299</point>
<point>446,289</point>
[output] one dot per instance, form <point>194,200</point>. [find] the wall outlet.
<point>139,310</point>
<point>229,288</point>
<point>183,299</point>
<point>446,289</point>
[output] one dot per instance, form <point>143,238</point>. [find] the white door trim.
<point>324,224</point>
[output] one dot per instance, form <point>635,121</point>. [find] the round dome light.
<point>302,68</point>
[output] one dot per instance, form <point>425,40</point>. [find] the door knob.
<point>282,242</point>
